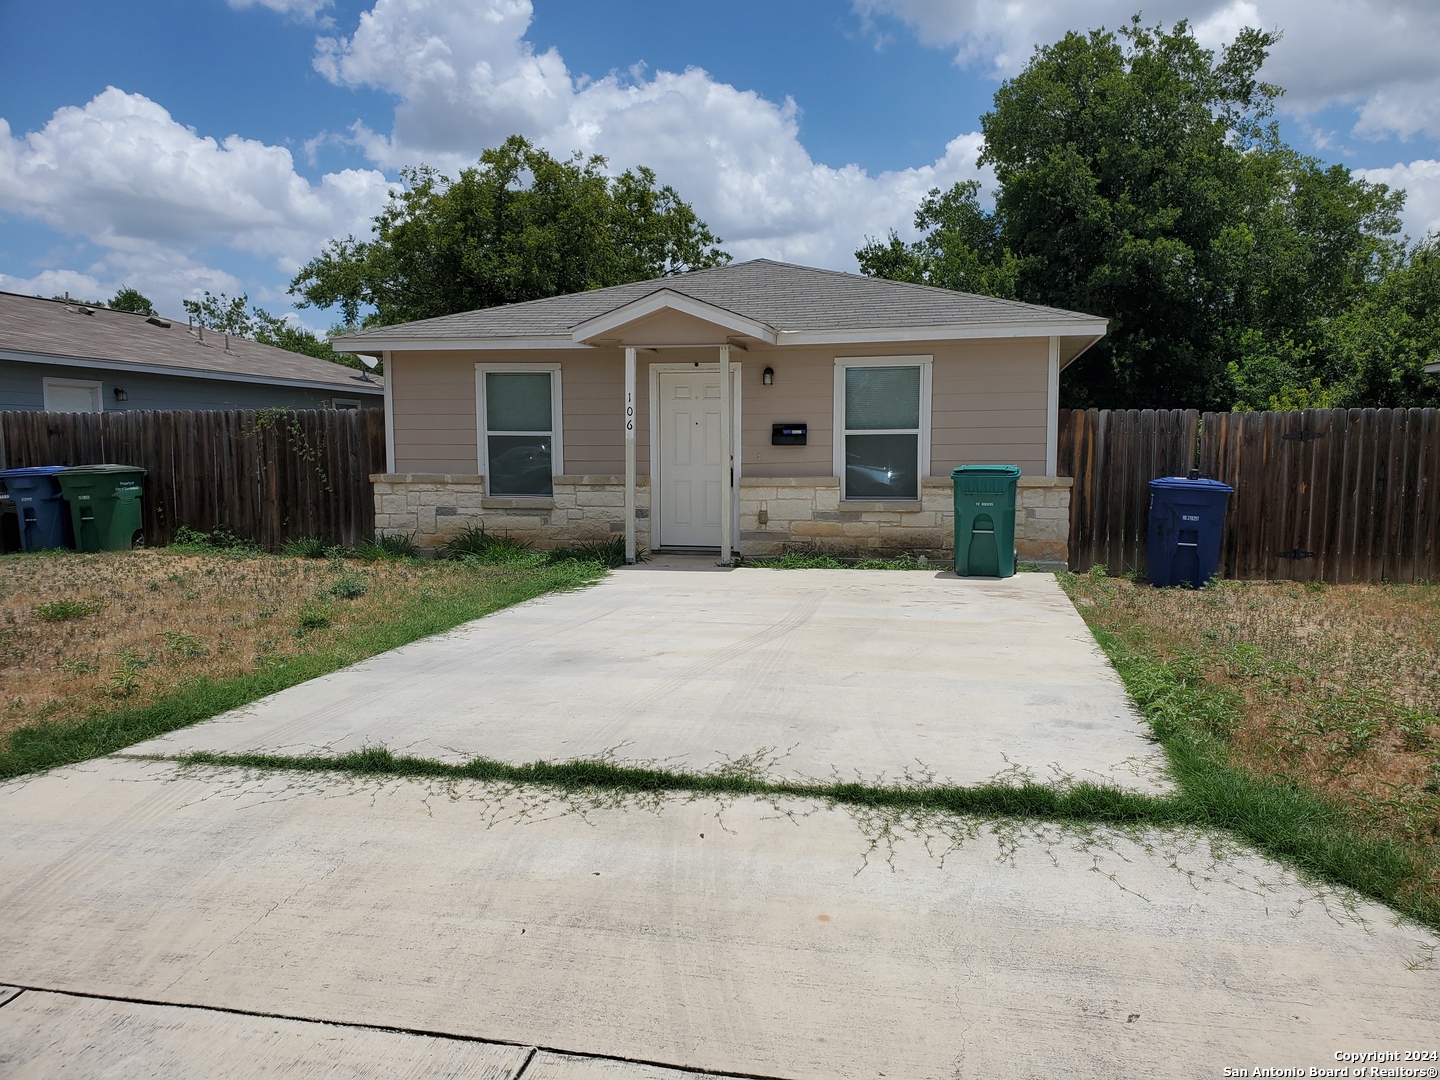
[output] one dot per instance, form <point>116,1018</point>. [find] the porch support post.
<point>1052,409</point>
<point>389,412</point>
<point>727,470</point>
<point>629,455</point>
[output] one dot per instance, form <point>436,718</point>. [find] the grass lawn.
<point>1310,713</point>
<point>99,651</point>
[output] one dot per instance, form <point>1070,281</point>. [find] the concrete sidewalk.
<point>785,939</point>
<point>797,674</point>
<point>44,1035</point>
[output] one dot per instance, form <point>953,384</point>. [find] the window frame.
<point>926,364</point>
<point>557,418</point>
<point>345,404</point>
<point>96,388</point>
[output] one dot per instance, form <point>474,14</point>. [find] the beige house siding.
<point>433,396</point>
<point>803,391</point>
<point>435,420</point>
<point>987,406</point>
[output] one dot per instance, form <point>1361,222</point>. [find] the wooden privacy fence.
<point>268,476</point>
<point>1320,495</point>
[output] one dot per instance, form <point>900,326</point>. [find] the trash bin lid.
<point>1184,483</point>
<point>101,470</point>
<point>991,470</point>
<point>33,470</point>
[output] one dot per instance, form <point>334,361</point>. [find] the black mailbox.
<point>788,434</point>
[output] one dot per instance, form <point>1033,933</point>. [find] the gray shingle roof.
<point>40,327</point>
<point>787,298</point>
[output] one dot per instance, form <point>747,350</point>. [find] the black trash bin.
<point>1187,518</point>
<point>43,518</point>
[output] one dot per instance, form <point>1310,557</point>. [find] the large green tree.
<point>520,225</point>
<point>1139,178</point>
<point>1378,349</point>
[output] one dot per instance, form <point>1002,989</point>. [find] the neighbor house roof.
<point>771,301</point>
<point>71,334</point>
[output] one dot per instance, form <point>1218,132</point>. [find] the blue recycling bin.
<point>43,517</point>
<point>1187,518</point>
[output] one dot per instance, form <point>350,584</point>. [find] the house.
<point>63,356</point>
<point>847,403</point>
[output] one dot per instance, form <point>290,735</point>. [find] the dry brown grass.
<point>157,618</point>
<point>1337,688</point>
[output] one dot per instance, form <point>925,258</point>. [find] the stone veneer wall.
<point>776,514</point>
<point>436,506</point>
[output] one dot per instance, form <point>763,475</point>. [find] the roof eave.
<point>1093,329</point>
<point>187,373</point>
<point>1089,328</point>
<point>373,347</point>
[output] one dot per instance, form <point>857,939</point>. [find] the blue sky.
<point>217,143</point>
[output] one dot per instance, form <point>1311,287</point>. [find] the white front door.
<point>689,458</point>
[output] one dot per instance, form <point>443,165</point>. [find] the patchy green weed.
<point>65,610</point>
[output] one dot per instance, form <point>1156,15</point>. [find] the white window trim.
<point>557,420</point>
<point>926,365</point>
<point>345,403</point>
<point>73,384</point>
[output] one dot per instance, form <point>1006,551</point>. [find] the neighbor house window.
<point>72,395</point>
<point>882,424</point>
<point>519,413</point>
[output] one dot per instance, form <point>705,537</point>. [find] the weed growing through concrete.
<point>815,559</point>
<point>894,825</point>
<point>1298,830</point>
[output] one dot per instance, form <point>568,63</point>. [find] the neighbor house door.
<point>689,458</point>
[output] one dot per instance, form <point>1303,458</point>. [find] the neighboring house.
<point>850,399</point>
<point>68,357</point>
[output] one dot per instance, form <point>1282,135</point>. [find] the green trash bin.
<point>104,505</point>
<point>985,520</point>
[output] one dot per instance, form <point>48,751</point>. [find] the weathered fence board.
<point>1320,495</point>
<point>268,476</point>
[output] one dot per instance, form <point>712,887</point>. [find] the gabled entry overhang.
<point>610,327</point>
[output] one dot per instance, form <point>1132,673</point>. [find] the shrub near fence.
<point>267,476</point>
<point>1320,495</point>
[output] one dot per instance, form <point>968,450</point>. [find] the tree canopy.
<point>234,315</point>
<point>1140,178</point>
<point>519,225</point>
<point>133,301</point>
<point>126,299</point>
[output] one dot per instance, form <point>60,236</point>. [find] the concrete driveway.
<point>800,674</point>
<point>178,921</point>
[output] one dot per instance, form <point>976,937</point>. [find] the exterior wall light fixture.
<point>120,395</point>
<point>768,378</point>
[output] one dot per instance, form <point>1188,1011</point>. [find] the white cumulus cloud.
<point>1421,181</point>
<point>123,173</point>
<point>155,196</point>
<point>1378,56</point>
<point>466,77</point>
<point>302,10</point>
